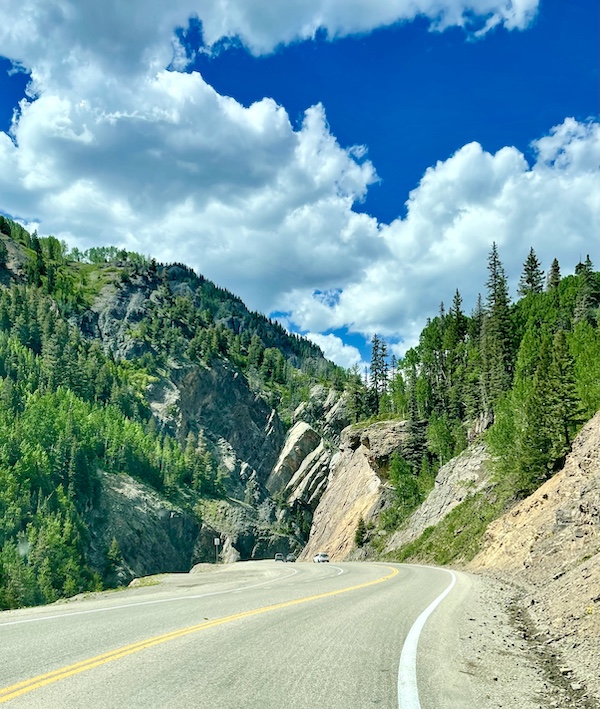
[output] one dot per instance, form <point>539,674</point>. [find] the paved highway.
<point>257,635</point>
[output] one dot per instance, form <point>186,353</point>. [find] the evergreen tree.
<point>360,535</point>
<point>357,395</point>
<point>4,225</point>
<point>532,279</point>
<point>588,294</point>
<point>566,402</point>
<point>496,338</point>
<point>378,379</point>
<point>535,437</point>
<point>553,275</point>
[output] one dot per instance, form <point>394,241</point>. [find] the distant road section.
<point>256,635</point>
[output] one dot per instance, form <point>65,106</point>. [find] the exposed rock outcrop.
<point>218,401</point>
<point>354,488</point>
<point>326,411</point>
<point>310,480</point>
<point>301,441</point>
<point>243,430</point>
<point>459,478</point>
<point>153,535</point>
<point>551,542</point>
<point>115,314</point>
<point>300,474</point>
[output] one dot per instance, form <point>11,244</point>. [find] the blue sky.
<point>345,165</point>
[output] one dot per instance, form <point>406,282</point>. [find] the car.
<point>321,558</point>
<point>290,557</point>
<point>279,557</point>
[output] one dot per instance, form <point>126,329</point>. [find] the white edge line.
<point>145,603</point>
<point>408,691</point>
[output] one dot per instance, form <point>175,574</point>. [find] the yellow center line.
<point>28,685</point>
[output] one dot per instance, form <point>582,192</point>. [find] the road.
<point>257,635</point>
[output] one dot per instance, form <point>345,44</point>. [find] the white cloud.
<point>73,42</point>
<point>459,208</point>
<point>263,24</point>
<point>336,350</point>
<point>114,149</point>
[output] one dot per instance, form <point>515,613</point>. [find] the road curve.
<point>254,635</point>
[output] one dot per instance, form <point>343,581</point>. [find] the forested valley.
<point>524,374</point>
<point>70,407</point>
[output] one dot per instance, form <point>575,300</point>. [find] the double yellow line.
<point>29,685</point>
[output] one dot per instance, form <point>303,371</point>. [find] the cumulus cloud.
<point>337,351</point>
<point>459,208</point>
<point>75,41</point>
<point>113,148</point>
<point>262,24</point>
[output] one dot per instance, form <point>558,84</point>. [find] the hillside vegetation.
<point>73,404</point>
<point>530,367</point>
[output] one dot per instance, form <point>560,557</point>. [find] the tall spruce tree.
<point>496,335</point>
<point>553,275</point>
<point>532,278</point>
<point>378,379</point>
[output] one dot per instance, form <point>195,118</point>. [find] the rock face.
<point>354,488</point>
<point>326,411</point>
<point>115,314</point>
<point>551,543</point>
<point>310,480</point>
<point>301,441</point>
<point>153,535</point>
<point>459,478</point>
<point>244,431</point>
<point>219,401</point>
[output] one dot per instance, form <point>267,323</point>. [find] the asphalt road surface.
<point>253,635</point>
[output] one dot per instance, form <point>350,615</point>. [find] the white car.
<point>321,558</point>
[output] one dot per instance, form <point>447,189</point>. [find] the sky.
<point>341,165</point>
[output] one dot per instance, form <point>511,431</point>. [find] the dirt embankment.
<point>550,545</point>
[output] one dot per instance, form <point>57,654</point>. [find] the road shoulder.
<point>498,659</point>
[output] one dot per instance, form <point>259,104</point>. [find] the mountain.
<point>146,412</point>
<point>142,411</point>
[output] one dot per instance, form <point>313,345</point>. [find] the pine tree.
<point>356,395</point>
<point>535,437</point>
<point>360,534</point>
<point>4,225</point>
<point>588,295</point>
<point>566,402</point>
<point>553,275</point>
<point>496,338</point>
<point>378,379</point>
<point>532,279</point>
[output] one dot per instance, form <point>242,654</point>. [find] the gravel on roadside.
<point>512,665</point>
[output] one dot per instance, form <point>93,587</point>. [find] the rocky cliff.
<point>326,411</point>
<point>218,401</point>
<point>550,542</point>
<point>153,535</point>
<point>354,486</point>
<point>244,432</point>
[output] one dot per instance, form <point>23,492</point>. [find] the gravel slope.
<point>512,665</point>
